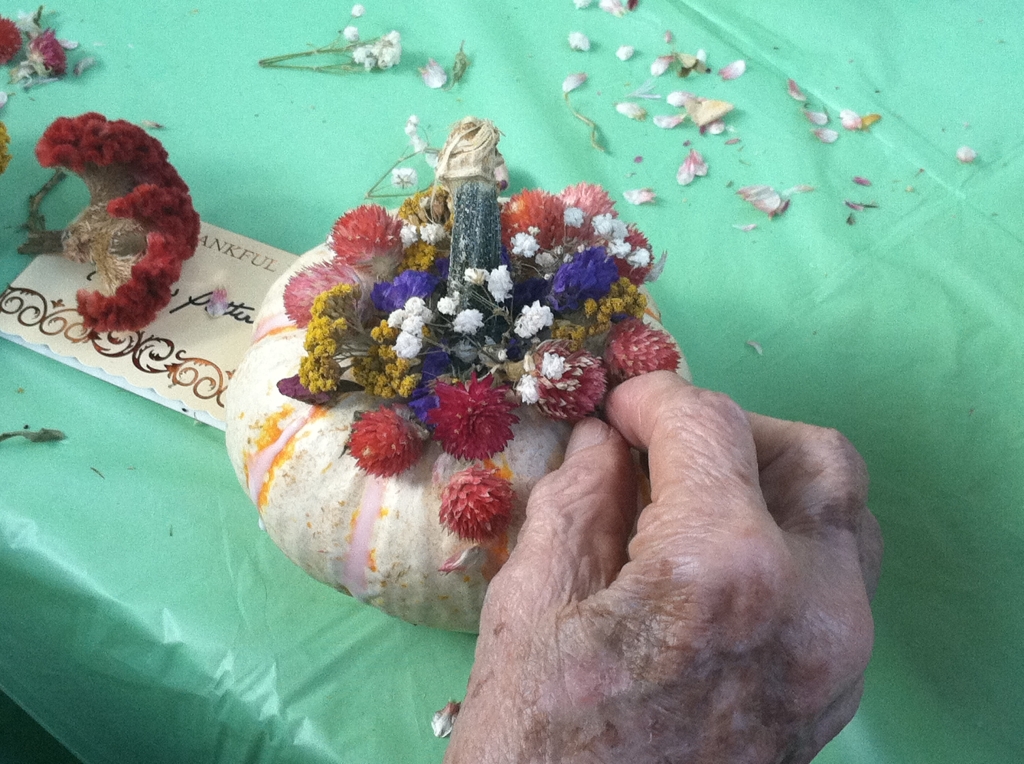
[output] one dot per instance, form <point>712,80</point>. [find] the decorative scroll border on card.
<point>148,353</point>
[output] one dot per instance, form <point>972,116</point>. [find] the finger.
<point>701,454</point>
<point>578,521</point>
<point>815,485</point>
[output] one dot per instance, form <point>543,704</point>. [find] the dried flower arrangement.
<point>139,226</point>
<point>457,310</point>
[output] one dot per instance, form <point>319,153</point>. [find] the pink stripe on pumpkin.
<point>258,464</point>
<point>357,559</point>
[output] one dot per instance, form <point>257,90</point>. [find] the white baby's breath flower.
<point>432,233</point>
<point>573,217</point>
<point>579,41</point>
<point>528,389</point>
<point>408,345</point>
<point>475,276</point>
<point>524,245</point>
<point>410,235</point>
<point>545,260</point>
<point>468,321</point>
<point>581,4</point>
<point>350,33</point>
<point>639,258</point>
<point>413,324</point>
<point>396,317</point>
<point>625,52</point>
<point>412,125</point>
<point>447,306</point>
<point>404,177</point>
<point>388,50</point>
<point>418,307</point>
<point>499,283</point>
<point>619,248</point>
<point>532,319</point>
<point>553,366</point>
<point>364,55</point>
<point>358,10</point>
<point>609,227</point>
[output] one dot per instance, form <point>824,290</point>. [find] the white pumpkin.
<point>380,539</point>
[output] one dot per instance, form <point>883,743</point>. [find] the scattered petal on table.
<point>733,70</point>
<point>640,195</point>
<point>795,91</point>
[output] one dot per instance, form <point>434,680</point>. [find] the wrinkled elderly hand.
<point>733,627</point>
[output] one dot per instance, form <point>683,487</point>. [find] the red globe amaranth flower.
<point>368,237</point>
<point>472,420</point>
<point>476,505</point>
<point>304,287</point>
<point>46,50</point>
<point>10,40</point>
<point>534,208</point>
<point>384,443</point>
<point>634,348</point>
<point>139,226</point>
<point>577,390</point>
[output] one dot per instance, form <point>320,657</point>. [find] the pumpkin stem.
<point>466,167</point>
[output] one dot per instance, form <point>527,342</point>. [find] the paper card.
<point>185,358</point>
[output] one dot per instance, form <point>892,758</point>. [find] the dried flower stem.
<point>279,62</point>
<point>589,123</point>
<point>40,241</point>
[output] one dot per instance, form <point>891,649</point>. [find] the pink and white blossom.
<point>692,167</point>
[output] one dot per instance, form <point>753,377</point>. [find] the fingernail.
<point>589,432</point>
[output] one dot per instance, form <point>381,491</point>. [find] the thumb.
<point>578,521</point>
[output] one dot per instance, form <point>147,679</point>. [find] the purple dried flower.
<point>589,275</point>
<point>293,388</point>
<point>389,296</point>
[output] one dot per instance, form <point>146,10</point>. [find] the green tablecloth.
<point>143,615</point>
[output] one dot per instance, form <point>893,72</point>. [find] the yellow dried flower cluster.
<point>428,206</point>
<point>566,330</point>
<point>419,256</point>
<point>318,370</point>
<point>381,371</point>
<point>622,298</point>
<point>5,139</point>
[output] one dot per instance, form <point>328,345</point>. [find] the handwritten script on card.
<point>185,358</point>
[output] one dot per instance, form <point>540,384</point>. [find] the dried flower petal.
<point>745,228</point>
<point>795,91</point>
<point>625,52</point>
<point>614,7</point>
<point>825,134</point>
<point>764,198</point>
<point>639,195</point>
<point>868,120</point>
<point>444,719</point>
<point>757,346</point>
<point>217,305</point>
<point>966,154</point>
<point>34,436</point>
<point>661,65</point>
<point>704,111</point>
<point>469,558</point>
<point>861,181</point>
<point>816,117</point>
<point>678,98</point>
<point>860,206</point>
<point>668,121</point>
<point>631,110</point>
<point>850,119</point>
<point>433,74</point>
<point>579,41</point>
<point>691,167</point>
<point>715,128</point>
<point>573,81</point>
<point>733,70</point>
